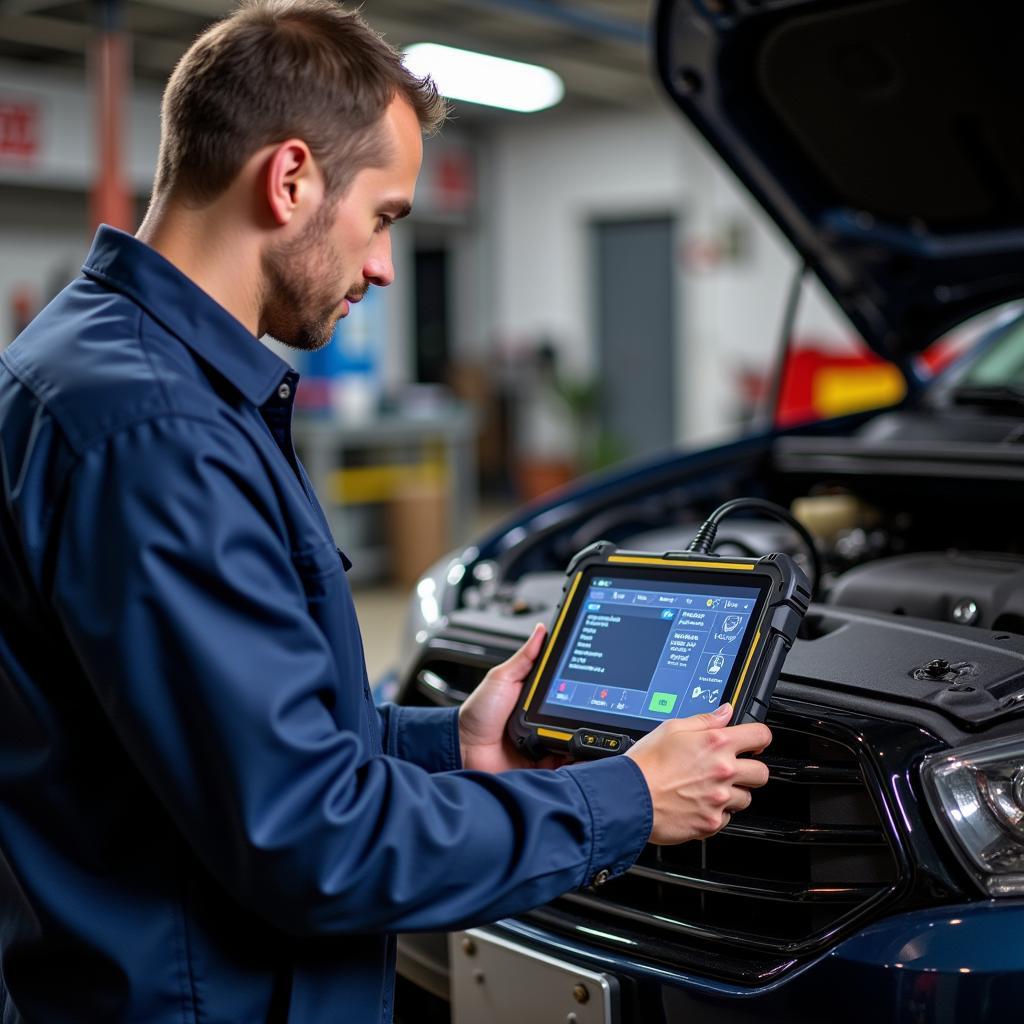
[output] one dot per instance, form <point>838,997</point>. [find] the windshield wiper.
<point>1009,397</point>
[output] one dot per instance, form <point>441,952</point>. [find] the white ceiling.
<point>599,47</point>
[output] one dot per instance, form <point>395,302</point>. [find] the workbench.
<point>357,468</point>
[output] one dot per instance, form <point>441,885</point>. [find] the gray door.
<point>635,323</point>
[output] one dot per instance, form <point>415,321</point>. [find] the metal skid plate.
<point>495,981</point>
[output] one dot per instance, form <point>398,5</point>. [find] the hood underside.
<point>883,137</point>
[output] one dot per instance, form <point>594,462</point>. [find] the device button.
<point>589,739</point>
<point>611,743</point>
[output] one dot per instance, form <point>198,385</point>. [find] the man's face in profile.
<point>312,280</point>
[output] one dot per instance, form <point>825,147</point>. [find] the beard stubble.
<point>300,277</point>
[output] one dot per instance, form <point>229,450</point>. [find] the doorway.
<point>431,318</point>
<point>635,321</point>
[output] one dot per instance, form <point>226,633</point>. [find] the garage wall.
<point>66,136</point>
<point>553,176</point>
<point>44,206</point>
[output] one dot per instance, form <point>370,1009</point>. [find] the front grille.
<point>810,860</point>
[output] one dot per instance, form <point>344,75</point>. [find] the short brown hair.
<point>279,69</point>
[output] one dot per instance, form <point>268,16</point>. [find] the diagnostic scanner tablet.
<point>640,638</point>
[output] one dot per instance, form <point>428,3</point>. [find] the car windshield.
<point>1001,363</point>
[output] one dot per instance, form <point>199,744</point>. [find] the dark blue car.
<point>880,874</point>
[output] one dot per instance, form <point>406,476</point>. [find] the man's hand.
<point>485,743</point>
<point>696,780</point>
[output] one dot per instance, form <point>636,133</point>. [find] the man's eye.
<point>384,222</point>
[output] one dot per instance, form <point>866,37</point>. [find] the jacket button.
<point>601,877</point>
<point>284,392</point>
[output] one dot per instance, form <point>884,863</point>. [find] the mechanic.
<point>203,817</point>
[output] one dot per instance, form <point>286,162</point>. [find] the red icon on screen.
<point>604,693</point>
<point>561,687</point>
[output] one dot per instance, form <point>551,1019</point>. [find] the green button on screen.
<point>663,703</point>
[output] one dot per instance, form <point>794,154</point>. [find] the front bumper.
<point>961,964</point>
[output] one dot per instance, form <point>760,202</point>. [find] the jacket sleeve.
<point>175,585</point>
<point>428,737</point>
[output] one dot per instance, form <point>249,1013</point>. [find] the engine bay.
<point>922,595</point>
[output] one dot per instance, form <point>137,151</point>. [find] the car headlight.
<point>977,795</point>
<point>435,594</point>
<point>426,604</point>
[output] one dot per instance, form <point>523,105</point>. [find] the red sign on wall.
<point>19,129</point>
<point>454,181</point>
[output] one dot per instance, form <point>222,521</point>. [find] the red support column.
<point>111,78</point>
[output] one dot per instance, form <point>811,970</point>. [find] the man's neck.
<point>207,247</point>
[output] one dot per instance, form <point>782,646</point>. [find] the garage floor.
<point>381,611</point>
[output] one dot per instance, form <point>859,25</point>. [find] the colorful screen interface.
<point>651,650</point>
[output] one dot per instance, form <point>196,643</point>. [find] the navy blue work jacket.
<point>203,817</point>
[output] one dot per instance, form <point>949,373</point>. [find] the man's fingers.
<point>751,738</point>
<point>750,774</point>
<point>711,720</point>
<point>739,801</point>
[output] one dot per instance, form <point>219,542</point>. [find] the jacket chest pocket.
<point>322,570</point>
<point>329,599</point>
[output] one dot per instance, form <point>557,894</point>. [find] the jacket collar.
<point>122,262</point>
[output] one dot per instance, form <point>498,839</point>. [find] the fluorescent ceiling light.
<point>478,78</point>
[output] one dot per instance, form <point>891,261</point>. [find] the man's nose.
<point>378,268</point>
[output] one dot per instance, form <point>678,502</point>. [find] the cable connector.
<point>704,538</point>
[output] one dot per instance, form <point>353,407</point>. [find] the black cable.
<point>745,549</point>
<point>704,538</point>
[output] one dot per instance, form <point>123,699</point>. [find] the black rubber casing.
<point>787,596</point>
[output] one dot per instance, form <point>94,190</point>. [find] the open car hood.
<point>883,137</point>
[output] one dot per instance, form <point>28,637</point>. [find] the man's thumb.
<point>523,659</point>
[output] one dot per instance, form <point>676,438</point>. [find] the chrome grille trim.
<point>732,885</point>
<point>777,830</point>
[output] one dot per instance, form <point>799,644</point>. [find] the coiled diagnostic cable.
<point>704,538</point>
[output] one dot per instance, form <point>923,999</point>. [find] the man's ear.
<point>294,183</point>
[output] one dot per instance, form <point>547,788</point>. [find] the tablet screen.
<point>641,650</point>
